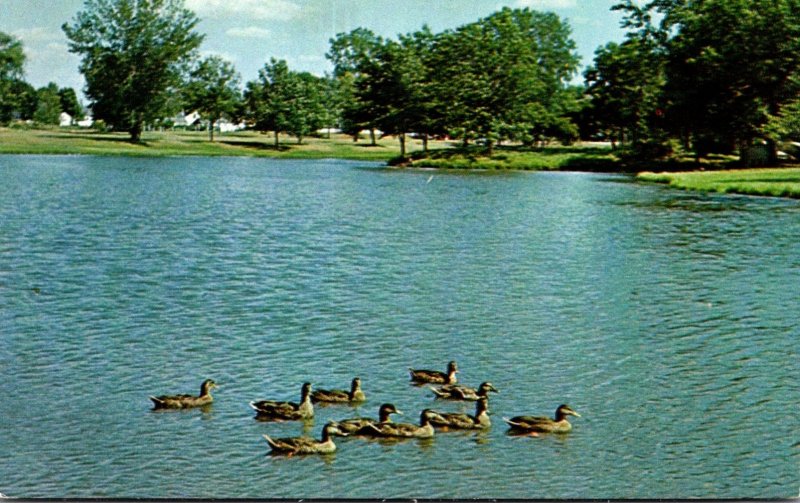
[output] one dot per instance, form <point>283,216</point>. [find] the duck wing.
<point>529,422</point>
<point>353,425</point>
<point>431,376</point>
<point>334,395</point>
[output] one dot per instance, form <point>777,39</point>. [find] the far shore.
<point>598,157</point>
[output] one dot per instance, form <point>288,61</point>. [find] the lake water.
<point>668,319</point>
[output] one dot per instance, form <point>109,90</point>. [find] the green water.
<point>667,319</point>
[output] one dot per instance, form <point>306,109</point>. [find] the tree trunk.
<point>211,130</point>
<point>136,132</point>
<point>276,138</point>
<point>402,138</point>
<point>425,143</point>
<point>372,136</point>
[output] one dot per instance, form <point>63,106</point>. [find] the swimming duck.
<point>353,425</point>
<point>186,401</point>
<point>464,421</point>
<point>401,430</point>
<point>271,409</point>
<point>540,424</point>
<point>459,392</point>
<point>434,376</point>
<point>305,445</point>
<point>340,396</point>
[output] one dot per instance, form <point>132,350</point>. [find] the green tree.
<point>12,59</point>
<point>69,103</point>
<point>352,55</point>
<point>212,90</point>
<point>134,53</point>
<point>492,72</point>
<point>626,84</point>
<point>284,101</point>
<point>48,105</point>
<point>730,65</point>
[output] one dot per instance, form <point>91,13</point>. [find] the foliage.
<point>284,101</point>
<point>12,59</point>
<point>69,103</point>
<point>134,53</point>
<point>729,66</point>
<point>48,105</point>
<point>212,90</point>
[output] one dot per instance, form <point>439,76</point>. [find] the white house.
<point>64,119</point>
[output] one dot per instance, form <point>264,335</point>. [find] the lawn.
<point>172,143</point>
<point>777,182</point>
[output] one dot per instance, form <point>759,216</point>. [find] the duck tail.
<point>255,407</point>
<point>437,392</point>
<point>156,401</point>
<point>511,423</point>
<point>269,440</point>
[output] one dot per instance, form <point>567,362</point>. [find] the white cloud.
<point>247,32</point>
<point>279,10</point>
<point>547,4</point>
<point>38,34</point>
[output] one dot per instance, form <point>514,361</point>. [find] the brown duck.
<point>186,401</point>
<point>355,394</point>
<point>286,411</point>
<point>434,376</point>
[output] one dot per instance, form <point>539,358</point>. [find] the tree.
<point>490,72</point>
<point>48,106</point>
<point>352,55</point>
<point>12,59</point>
<point>212,90</point>
<point>69,103</point>
<point>730,65</point>
<point>134,53</point>
<point>284,101</point>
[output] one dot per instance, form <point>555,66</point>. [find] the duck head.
<point>207,386</point>
<point>563,411</point>
<point>331,429</point>
<point>385,410</point>
<point>305,391</point>
<point>355,385</point>
<point>485,388</point>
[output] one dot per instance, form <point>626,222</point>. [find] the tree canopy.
<point>12,59</point>
<point>134,53</point>
<point>212,90</point>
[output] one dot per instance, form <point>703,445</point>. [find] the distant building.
<point>65,119</point>
<point>184,120</point>
<point>87,121</point>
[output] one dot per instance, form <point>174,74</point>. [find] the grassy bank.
<point>190,143</point>
<point>777,182</point>
<point>579,158</point>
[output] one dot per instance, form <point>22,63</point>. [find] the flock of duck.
<point>382,427</point>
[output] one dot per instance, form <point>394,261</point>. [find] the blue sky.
<point>249,32</point>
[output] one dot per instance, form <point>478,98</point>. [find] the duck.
<point>305,445</point>
<point>401,430</point>
<point>434,376</point>
<point>287,411</point>
<point>541,424</point>
<point>186,401</point>
<point>355,395</point>
<point>459,392</point>
<point>457,421</point>
<point>353,425</point>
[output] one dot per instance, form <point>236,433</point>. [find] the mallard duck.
<point>463,421</point>
<point>340,396</point>
<point>401,430</point>
<point>186,401</point>
<point>434,376</point>
<point>270,409</point>
<point>459,392</point>
<point>541,424</point>
<point>353,425</point>
<point>305,445</point>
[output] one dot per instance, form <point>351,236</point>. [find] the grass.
<point>190,143</point>
<point>776,182</point>
<point>581,158</point>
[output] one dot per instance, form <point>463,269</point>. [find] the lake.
<point>667,319</point>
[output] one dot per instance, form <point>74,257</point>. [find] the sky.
<point>249,32</point>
